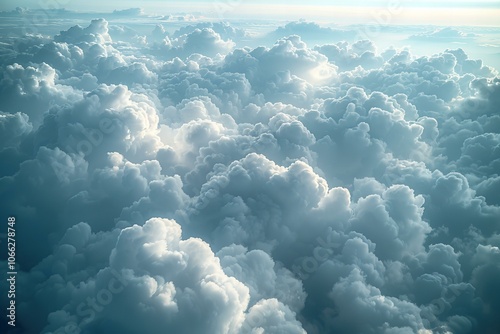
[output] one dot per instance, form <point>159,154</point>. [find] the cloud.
<point>204,41</point>
<point>284,72</point>
<point>376,313</point>
<point>265,279</point>
<point>151,271</point>
<point>443,35</point>
<point>129,12</point>
<point>271,316</point>
<point>347,57</point>
<point>33,91</point>
<point>96,32</point>
<point>183,177</point>
<point>394,240</point>
<point>311,31</point>
<point>14,127</point>
<point>224,29</point>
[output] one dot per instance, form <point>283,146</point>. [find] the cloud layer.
<point>182,182</point>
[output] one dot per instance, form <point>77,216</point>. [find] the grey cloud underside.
<point>291,188</point>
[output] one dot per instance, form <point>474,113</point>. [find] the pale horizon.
<point>439,13</point>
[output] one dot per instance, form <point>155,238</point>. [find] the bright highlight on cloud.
<point>179,180</point>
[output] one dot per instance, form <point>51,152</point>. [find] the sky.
<point>249,169</point>
<point>441,12</point>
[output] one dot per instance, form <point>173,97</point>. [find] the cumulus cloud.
<point>97,31</point>
<point>204,41</point>
<point>176,179</point>
<point>312,32</point>
<point>224,29</point>
<point>443,35</point>
<point>284,72</point>
<point>129,12</point>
